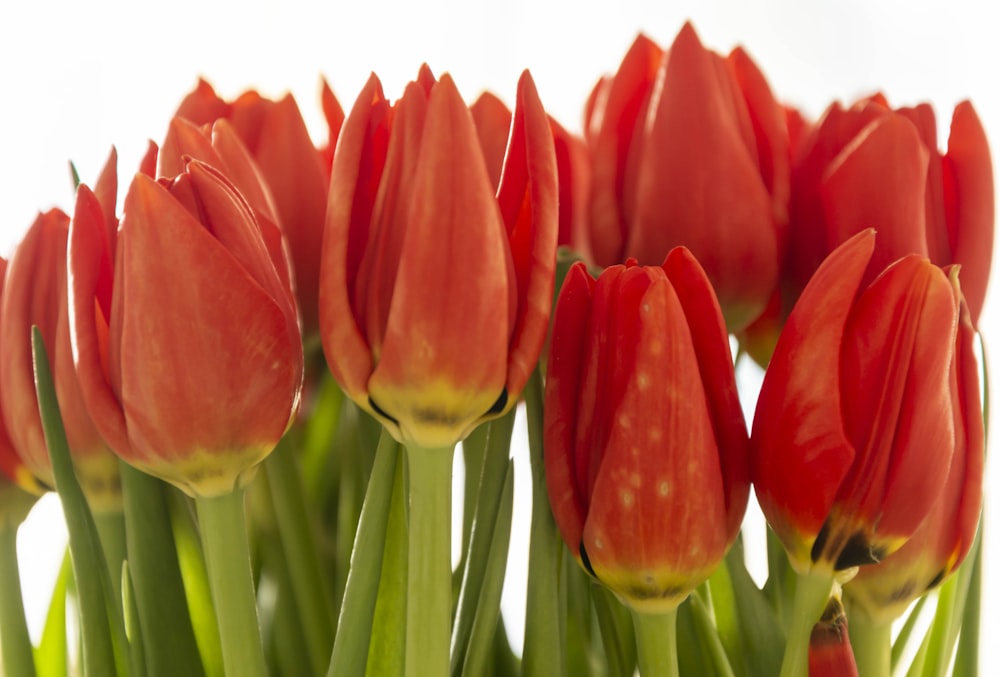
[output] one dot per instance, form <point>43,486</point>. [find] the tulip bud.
<point>645,442</point>
<point>35,294</point>
<point>189,353</point>
<point>853,432</point>
<point>871,166</point>
<point>883,591</point>
<point>687,122</point>
<point>830,653</point>
<point>435,292</point>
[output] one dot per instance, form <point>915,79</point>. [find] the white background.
<point>77,77</point>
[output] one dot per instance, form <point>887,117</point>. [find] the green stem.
<point>656,640</point>
<point>168,637</point>
<point>17,653</point>
<point>227,554</point>
<point>811,594</point>
<point>309,589</point>
<point>872,645</point>
<point>428,588</point>
<point>111,532</point>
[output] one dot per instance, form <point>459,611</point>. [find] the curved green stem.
<point>872,645</point>
<point>17,654</point>
<point>656,640</point>
<point>227,555</point>
<point>428,588</point>
<point>811,594</point>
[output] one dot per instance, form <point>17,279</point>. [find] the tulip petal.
<point>443,359</point>
<point>294,172</point>
<point>380,264</point>
<point>800,452</point>
<point>528,198</point>
<point>91,264</point>
<point>894,417</point>
<point>879,181</point>
<point>492,120</point>
<point>213,335</point>
<point>770,133</point>
<point>36,276</point>
<point>820,146</point>
<point>715,363</point>
<point>970,204</point>
<point>562,387</point>
<point>203,105</point>
<point>621,100</point>
<point>223,211</point>
<point>362,145</point>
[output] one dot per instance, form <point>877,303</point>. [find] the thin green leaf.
<point>310,592</point>
<point>967,656</point>
<point>693,654</point>
<point>102,628</point>
<point>191,560</point>
<point>387,646</point>
<point>358,611</point>
<point>617,632</point>
<point>163,615</point>
<point>52,655</point>
<point>762,637</point>
<point>905,635</point>
<point>489,496</point>
<point>478,651</point>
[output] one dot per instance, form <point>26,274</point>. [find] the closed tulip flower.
<point>186,336</point>
<point>35,294</point>
<point>436,288</point>
<point>11,464</point>
<point>673,124</point>
<point>853,432</point>
<point>645,442</point>
<point>883,591</point>
<point>870,166</point>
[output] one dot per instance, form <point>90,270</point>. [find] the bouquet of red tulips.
<point>248,384</point>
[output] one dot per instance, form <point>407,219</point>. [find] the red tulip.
<point>35,294</point>
<point>645,442</point>
<point>853,432</point>
<point>869,166</point>
<point>11,465</point>
<point>885,590</point>
<point>690,148</point>
<point>435,293</point>
<point>187,342</point>
<point>276,136</point>
<point>830,653</point>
